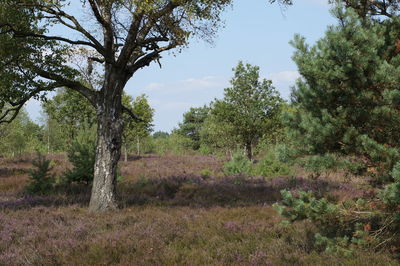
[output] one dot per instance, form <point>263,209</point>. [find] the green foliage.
<point>391,194</point>
<point>338,234</point>
<point>136,131</point>
<point>192,124</point>
<point>336,245</point>
<point>40,180</point>
<point>20,136</point>
<point>71,111</point>
<point>206,173</point>
<point>346,102</point>
<point>160,134</point>
<point>352,167</point>
<point>306,206</point>
<point>216,135</point>
<point>269,166</point>
<point>174,143</point>
<point>81,155</point>
<point>238,165</point>
<point>285,153</point>
<point>319,163</point>
<point>248,111</point>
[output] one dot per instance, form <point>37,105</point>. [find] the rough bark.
<point>108,152</point>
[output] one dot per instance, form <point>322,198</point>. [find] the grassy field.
<point>175,210</point>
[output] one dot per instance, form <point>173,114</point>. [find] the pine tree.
<point>348,99</point>
<point>193,121</point>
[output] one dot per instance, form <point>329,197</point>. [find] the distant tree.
<point>136,131</point>
<point>193,121</point>
<point>248,110</point>
<point>217,135</point>
<point>160,134</point>
<point>22,135</point>
<point>71,111</point>
<point>348,100</point>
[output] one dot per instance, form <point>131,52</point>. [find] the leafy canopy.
<point>249,108</point>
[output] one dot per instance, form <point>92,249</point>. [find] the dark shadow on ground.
<point>192,191</point>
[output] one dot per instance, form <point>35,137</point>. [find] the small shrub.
<point>320,163</point>
<point>238,165</point>
<point>41,181</point>
<point>355,168</point>
<point>206,173</point>
<point>285,154</point>
<point>81,154</point>
<point>271,167</point>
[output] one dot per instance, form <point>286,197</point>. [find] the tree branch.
<point>97,14</point>
<point>17,106</point>
<point>74,85</point>
<point>131,114</point>
<point>147,59</point>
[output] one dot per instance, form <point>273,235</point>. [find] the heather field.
<point>175,210</point>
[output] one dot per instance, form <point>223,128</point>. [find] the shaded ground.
<point>177,210</point>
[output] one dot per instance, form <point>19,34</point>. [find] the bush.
<point>320,163</point>
<point>238,165</point>
<point>341,227</point>
<point>285,153</point>
<point>41,181</point>
<point>206,173</point>
<point>353,167</point>
<point>81,155</point>
<point>271,167</point>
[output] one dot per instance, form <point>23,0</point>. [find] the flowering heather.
<point>171,214</point>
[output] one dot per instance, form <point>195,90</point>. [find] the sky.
<point>255,32</point>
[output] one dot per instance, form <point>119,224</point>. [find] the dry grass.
<point>172,215</point>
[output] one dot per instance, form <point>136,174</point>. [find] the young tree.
<point>249,108</point>
<point>137,130</point>
<point>348,100</point>
<point>193,121</point>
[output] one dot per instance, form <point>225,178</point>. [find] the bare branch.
<point>148,58</point>
<point>97,14</point>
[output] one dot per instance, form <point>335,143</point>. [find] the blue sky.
<point>255,32</point>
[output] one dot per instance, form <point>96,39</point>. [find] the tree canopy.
<point>348,98</point>
<point>249,108</point>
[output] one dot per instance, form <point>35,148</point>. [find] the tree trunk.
<point>108,152</point>
<point>249,151</point>
<point>125,152</point>
<point>138,146</point>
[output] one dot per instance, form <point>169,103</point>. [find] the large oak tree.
<point>44,45</point>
